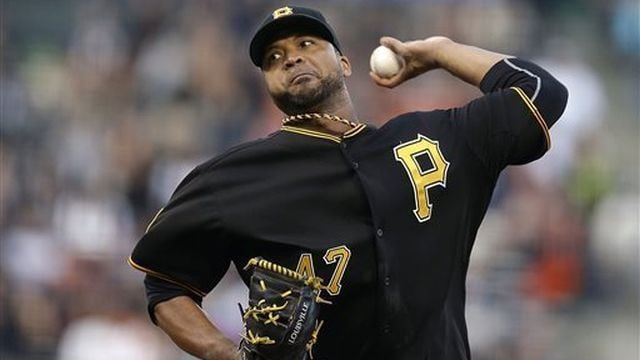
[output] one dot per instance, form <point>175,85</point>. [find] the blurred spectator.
<point>114,337</point>
<point>625,16</point>
<point>583,117</point>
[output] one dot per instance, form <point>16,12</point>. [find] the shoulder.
<point>246,150</point>
<point>417,120</point>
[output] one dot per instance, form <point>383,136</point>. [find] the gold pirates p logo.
<point>283,11</point>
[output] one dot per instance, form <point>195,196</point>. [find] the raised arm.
<point>466,62</point>
<point>510,124</point>
<point>490,71</point>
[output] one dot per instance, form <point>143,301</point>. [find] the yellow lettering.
<point>305,265</point>
<point>406,153</point>
<point>283,11</point>
<point>341,255</point>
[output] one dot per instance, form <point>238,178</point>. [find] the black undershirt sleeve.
<point>159,290</point>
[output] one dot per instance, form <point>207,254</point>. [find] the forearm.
<point>468,63</point>
<point>188,326</point>
<point>488,71</point>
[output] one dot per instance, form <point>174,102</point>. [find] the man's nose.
<point>292,60</point>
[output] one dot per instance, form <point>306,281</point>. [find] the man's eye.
<point>274,57</point>
<point>305,43</point>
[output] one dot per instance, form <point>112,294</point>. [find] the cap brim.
<point>291,24</point>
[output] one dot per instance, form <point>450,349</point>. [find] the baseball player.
<point>386,217</point>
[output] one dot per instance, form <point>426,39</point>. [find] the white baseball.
<point>384,62</point>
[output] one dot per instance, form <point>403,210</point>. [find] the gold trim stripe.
<point>536,114</point>
<point>355,131</point>
<point>312,133</point>
<point>165,278</point>
<point>155,217</point>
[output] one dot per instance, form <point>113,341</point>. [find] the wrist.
<point>222,348</point>
<point>436,47</point>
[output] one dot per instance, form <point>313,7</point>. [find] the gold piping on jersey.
<point>311,133</point>
<point>536,114</point>
<point>155,217</point>
<point>355,131</point>
<point>166,278</point>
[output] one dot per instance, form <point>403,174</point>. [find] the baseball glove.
<point>281,322</point>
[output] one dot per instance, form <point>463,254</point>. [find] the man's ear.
<point>345,64</point>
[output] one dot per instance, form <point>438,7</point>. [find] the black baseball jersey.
<point>387,217</point>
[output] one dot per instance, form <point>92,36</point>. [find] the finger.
<point>394,44</point>
<point>386,82</point>
<point>378,80</point>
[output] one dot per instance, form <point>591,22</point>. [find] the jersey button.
<point>344,145</point>
<point>379,232</point>
<point>355,164</point>
<point>386,329</point>
<point>387,281</point>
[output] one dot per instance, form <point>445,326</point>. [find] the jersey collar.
<point>317,134</point>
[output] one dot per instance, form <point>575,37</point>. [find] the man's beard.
<point>309,99</point>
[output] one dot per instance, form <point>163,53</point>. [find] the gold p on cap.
<point>290,20</point>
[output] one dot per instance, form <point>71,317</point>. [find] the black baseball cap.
<point>288,20</point>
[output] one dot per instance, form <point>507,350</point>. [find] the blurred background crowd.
<point>106,104</point>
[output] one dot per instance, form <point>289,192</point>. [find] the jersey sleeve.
<point>185,244</point>
<point>159,290</point>
<point>510,124</point>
